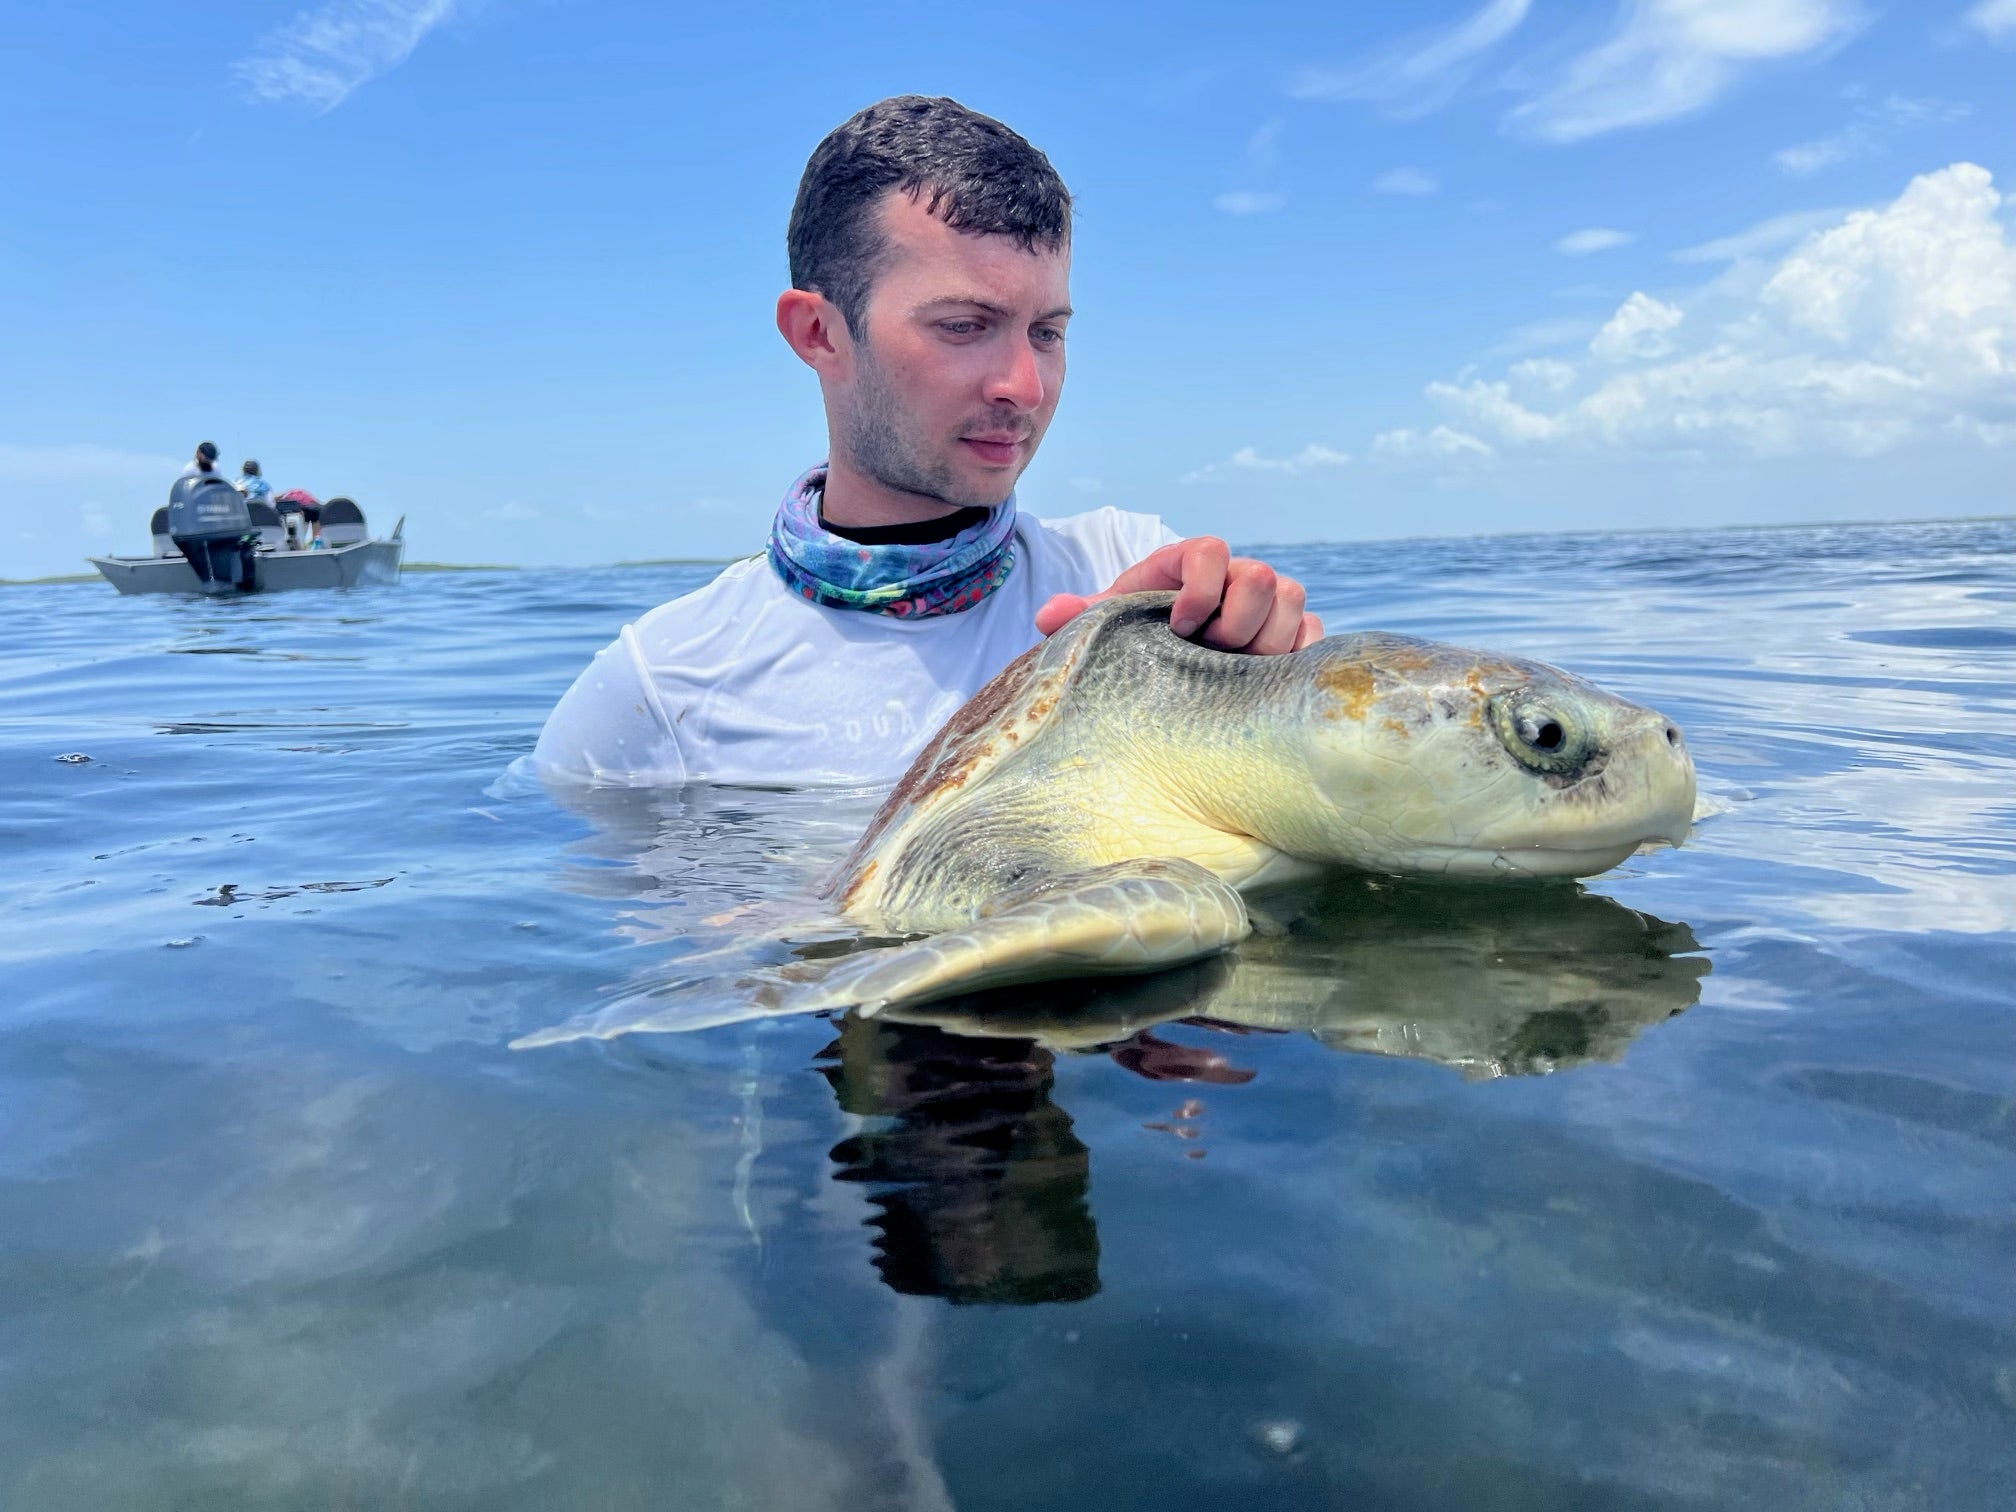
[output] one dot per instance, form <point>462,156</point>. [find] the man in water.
<point>930,258</point>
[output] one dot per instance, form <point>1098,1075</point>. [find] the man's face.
<point>952,388</point>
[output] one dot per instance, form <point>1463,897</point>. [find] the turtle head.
<point>1431,758</point>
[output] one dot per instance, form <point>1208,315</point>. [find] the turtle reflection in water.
<point>978,1183</point>
<point>1103,804</point>
<point>1510,981</point>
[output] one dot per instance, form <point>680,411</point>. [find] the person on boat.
<point>252,484</point>
<point>208,520</point>
<point>305,504</point>
<point>204,465</point>
<point>930,251</point>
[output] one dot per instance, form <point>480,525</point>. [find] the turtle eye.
<point>1538,733</point>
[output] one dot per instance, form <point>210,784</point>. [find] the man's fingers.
<point>1248,605</point>
<point>1149,575</point>
<point>1204,563</point>
<point>1233,603</point>
<point>1160,570</point>
<point>1059,611</point>
<point>1278,635</point>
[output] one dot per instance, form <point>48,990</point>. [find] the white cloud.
<point>1248,459</point>
<point>1263,157</point>
<point>1874,121</point>
<point>1642,327</point>
<point>1903,110</point>
<point>1932,276</point>
<point>1539,335</point>
<point>1249,202</point>
<point>1311,456</point>
<point>322,55</point>
<point>1893,327</point>
<point>1994,19</point>
<point>1549,373</point>
<point>1594,239</point>
<point>1409,181</point>
<point>1492,404</point>
<point>1263,148</point>
<point>1810,157</point>
<point>513,509</point>
<point>1421,74</point>
<point>1670,58</point>
<point>1089,485</point>
<point>1440,442</point>
<point>1771,235</point>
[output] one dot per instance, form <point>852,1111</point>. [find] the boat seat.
<point>164,543</point>
<point>266,521</point>
<point>343,523</point>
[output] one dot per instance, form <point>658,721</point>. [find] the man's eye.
<point>959,327</point>
<point>1049,335</point>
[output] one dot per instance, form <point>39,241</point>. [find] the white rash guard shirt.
<point>745,681</point>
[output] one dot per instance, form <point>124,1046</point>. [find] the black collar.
<point>917,533</point>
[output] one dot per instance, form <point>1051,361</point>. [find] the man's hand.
<point>1241,604</point>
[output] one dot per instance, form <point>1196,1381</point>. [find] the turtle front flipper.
<point>1129,917</point>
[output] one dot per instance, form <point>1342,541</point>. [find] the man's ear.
<point>813,327</point>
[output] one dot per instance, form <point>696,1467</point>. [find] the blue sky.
<point>507,266</point>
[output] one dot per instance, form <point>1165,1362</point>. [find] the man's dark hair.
<point>967,169</point>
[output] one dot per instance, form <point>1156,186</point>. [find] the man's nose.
<point>1017,380</point>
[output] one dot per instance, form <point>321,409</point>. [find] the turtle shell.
<point>991,727</point>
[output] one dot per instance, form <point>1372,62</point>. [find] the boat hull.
<point>361,565</point>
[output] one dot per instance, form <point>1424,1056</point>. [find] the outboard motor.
<point>207,508</point>
<point>210,521</point>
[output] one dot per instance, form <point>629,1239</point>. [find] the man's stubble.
<point>879,436</point>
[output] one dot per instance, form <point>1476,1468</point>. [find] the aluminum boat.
<point>347,556</point>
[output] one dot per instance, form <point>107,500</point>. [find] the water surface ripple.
<point>1693,1188</point>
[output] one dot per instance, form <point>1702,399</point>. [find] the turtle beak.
<point>1659,751</point>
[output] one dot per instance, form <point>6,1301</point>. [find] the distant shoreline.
<point>1498,535</point>
<point>1655,530</point>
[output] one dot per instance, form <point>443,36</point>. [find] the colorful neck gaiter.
<point>909,582</point>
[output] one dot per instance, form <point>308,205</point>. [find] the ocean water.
<point>1691,1187</point>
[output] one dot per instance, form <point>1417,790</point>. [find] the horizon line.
<point>1494,535</point>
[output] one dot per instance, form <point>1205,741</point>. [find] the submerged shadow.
<point>979,1182</point>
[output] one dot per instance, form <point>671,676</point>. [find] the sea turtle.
<point>1101,804</point>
